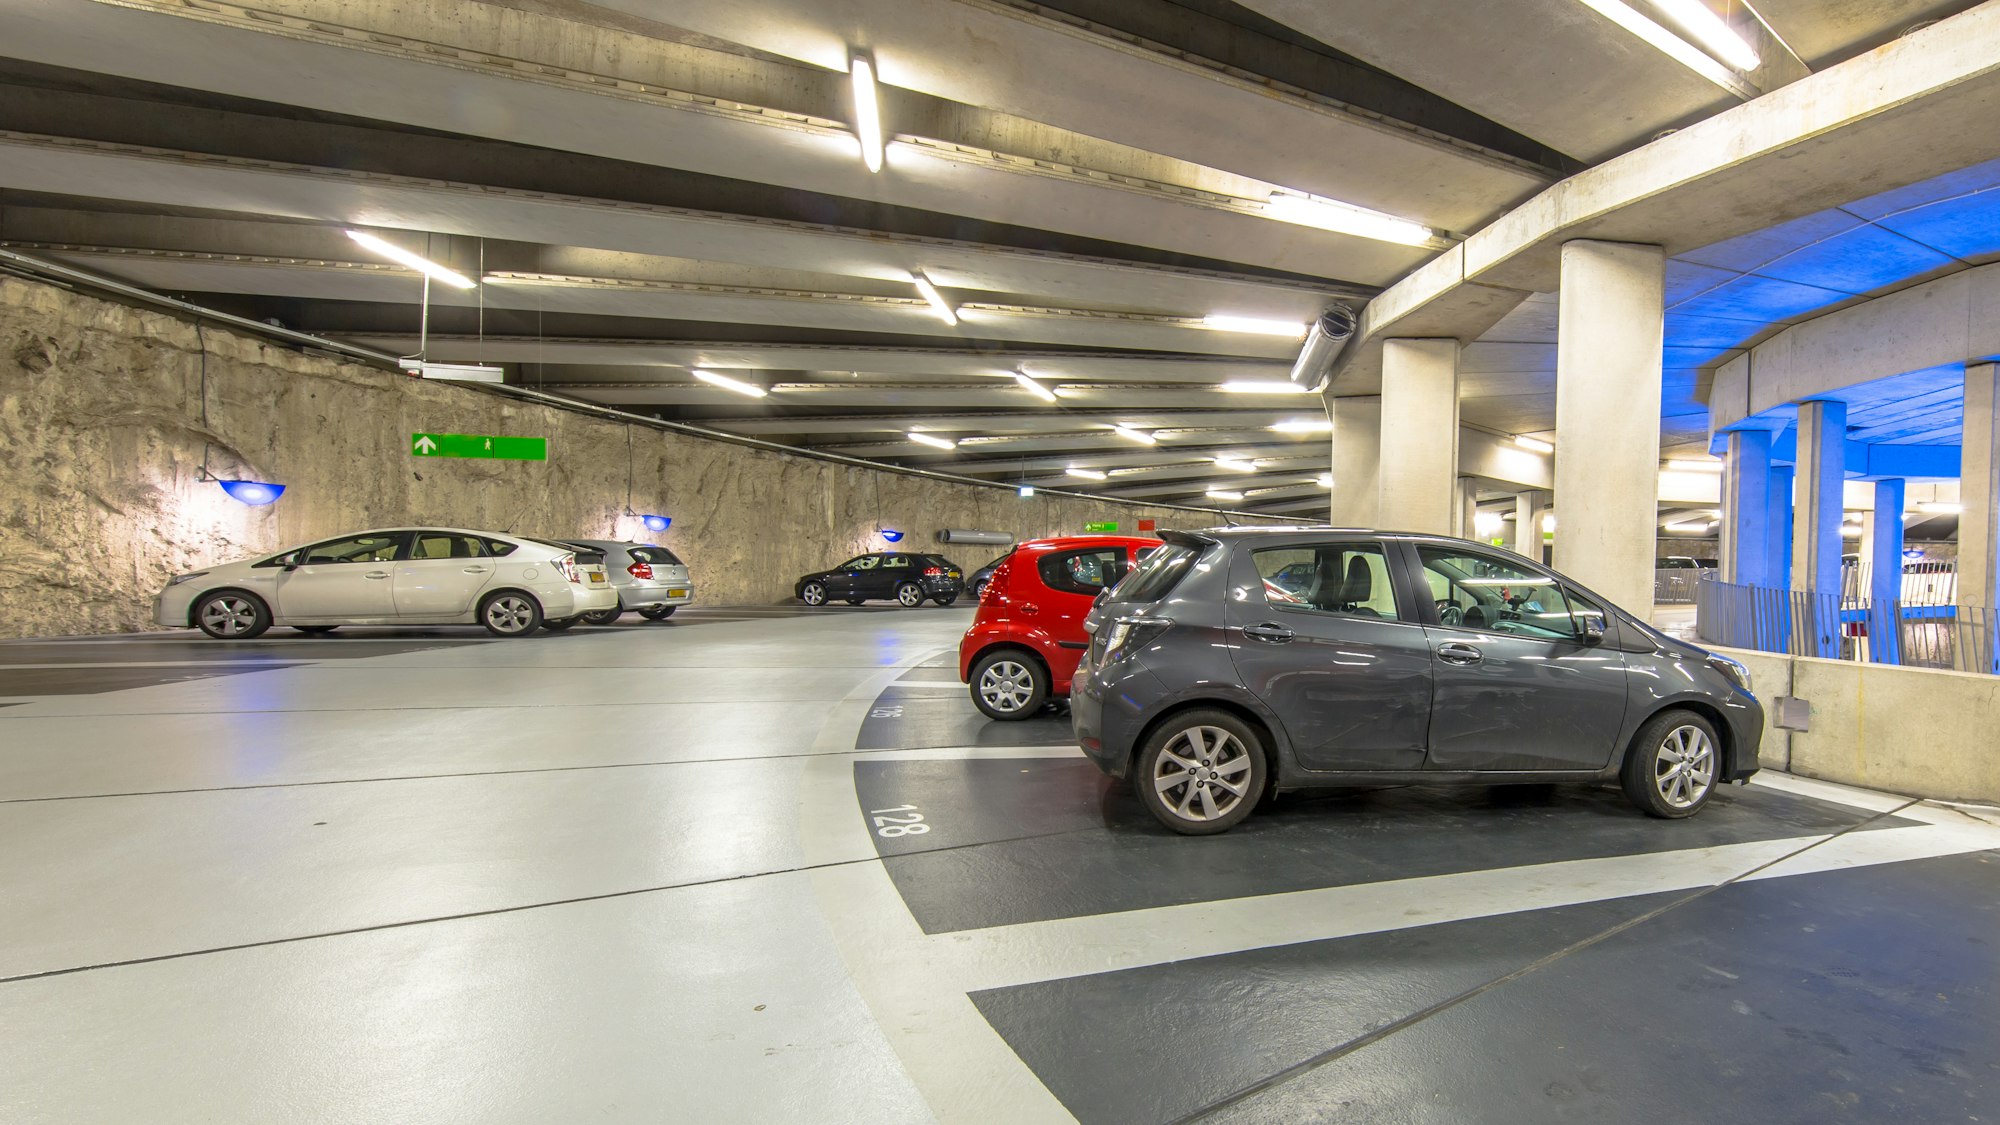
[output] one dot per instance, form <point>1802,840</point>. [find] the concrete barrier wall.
<point>102,433</point>
<point>1905,730</point>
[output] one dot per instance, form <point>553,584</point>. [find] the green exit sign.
<point>1101,527</point>
<point>494,446</point>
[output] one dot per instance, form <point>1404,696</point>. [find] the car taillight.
<point>567,564</point>
<point>934,572</point>
<point>640,570</point>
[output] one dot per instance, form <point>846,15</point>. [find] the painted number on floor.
<point>903,820</point>
<point>886,713</point>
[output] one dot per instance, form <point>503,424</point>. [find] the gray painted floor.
<point>765,864</point>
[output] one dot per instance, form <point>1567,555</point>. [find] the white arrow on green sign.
<point>494,446</point>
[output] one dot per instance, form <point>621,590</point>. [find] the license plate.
<point>677,593</point>
<point>595,577</point>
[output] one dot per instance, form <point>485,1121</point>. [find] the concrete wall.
<point>1904,730</point>
<point>102,435</point>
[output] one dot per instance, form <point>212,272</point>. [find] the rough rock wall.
<point>104,419</point>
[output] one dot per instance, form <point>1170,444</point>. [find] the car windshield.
<point>996,562</point>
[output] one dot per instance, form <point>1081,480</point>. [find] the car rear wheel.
<point>910,595</point>
<point>658,612</point>
<point>510,614</point>
<point>856,601</point>
<point>813,593</point>
<point>1201,772</point>
<point>1009,685</point>
<point>316,630</point>
<point>561,624</point>
<point>1670,770</point>
<point>604,616</point>
<point>945,599</point>
<point>230,615</point>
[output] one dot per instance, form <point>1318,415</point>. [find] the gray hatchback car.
<point>1239,662</point>
<point>649,578</point>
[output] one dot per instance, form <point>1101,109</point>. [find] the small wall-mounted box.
<point>1792,713</point>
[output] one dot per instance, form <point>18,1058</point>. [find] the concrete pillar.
<point>1528,508</point>
<point>1822,481</point>
<point>1882,552</point>
<point>1357,458</point>
<point>1467,516</point>
<point>1979,522</point>
<point>1419,464</point>
<point>1746,509</point>
<point>1778,545</point>
<point>1608,336</point>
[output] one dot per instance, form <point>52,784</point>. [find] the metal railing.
<point>1676,585</point>
<point>1846,627</point>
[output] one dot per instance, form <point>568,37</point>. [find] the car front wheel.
<point>1201,772</point>
<point>910,595</point>
<point>229,615</point>
<point>510,614</point>
<point>1671,768</point>
<point>813,593</point>
<point>1009,685</point>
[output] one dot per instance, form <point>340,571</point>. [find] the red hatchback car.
<point>1025,643</point>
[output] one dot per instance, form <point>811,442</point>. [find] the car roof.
<point>1062,542</point>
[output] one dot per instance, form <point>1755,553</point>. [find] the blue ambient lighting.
<point>255,493</point>
<point>892,535</point>
<point>657,523</point>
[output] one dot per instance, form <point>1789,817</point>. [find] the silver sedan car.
<point>648,577</point>
<point>395,576</point>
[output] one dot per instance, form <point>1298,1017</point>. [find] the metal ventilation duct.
<point>1325,341</point>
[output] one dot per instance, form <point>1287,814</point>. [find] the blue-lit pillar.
<point>1746,509</point>
<point>1774,613</point>
<point>1979,521</point>
<point>1885,573</point>
<point>1822,465</point>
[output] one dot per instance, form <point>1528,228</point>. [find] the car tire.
<point>232,615</point>
<point>658,612</point>
<point>856,601</point>
<point>910,595</point>
<point>1195,747</point>
<point>509,613</point>
<point>604,616</point>
<point>561,624</point>
<point>316,630</point>
<point>979,589</point>
<point>1008,685</point>
<point>945,599</point>
<point>813,594</point>
<point>1671,769</point>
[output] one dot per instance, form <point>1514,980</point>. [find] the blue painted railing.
<point>1804,623</point>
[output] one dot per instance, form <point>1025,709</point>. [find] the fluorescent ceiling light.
<point>1344,218</point>
<point>1536,444</point>
<point>1940,509</point>
<point>936,298</point>
<point>1711,32</point>
<point>1224,494</point>
<point>1028,384</point>
<point>1255,326</point>
<point>1086,474</point>
<point>1689,465</point>
<point>1324,480</point>
<point>931,440</point>
<point>1669,44</point>
<point>1303,426</point>
<point>728,384</point>
<point>1548,521</point>
<point>1235,465</point>
<point>1692,527</point>
<point>1486,523</point>
<point>1263,387</point>
<point>867,111</point>
<point>422,265</point>
<point>1850,531</point>
<point>1130,434</point>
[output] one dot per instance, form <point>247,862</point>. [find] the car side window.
<point>443,545</point>
<point>1582,609</point>
<point>357,548</point>
<point>1349,579</point>
<point>1493,595</point>
<point>496,549</point>
<point>1082,572</point>
<point>865,562</point>
<point>897,562</point>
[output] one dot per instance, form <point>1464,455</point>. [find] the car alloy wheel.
<point>1672,765</point>
<point>814,593</point>
<point>1201,772</point>
<point>604,616</point>
<point>1684,766</point>
<point>910,595</point>
<point>232,616</point>
<point>510,615</point>
<point>1008,686</point>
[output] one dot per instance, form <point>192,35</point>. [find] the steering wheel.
<point>1449,613</point>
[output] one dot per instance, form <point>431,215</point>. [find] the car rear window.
<point>657,556</point>
<point>1157,575</point>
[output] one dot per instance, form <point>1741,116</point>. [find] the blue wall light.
<point>255,493</point>
<point>657,523</point>
<point>892,535</point>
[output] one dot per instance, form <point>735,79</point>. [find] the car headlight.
<point>1131,633</point>
<point>1737,673</point>
<point>180,578</point>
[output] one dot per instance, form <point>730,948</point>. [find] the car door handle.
<point>1269,632</point>
<point>1031,607</point>
<point>476,569</point>
<point>1455,652</point>
<point>376,574</point>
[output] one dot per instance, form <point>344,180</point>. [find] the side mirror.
<point>1591,630</point>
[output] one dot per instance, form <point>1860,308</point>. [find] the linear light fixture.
<point>1536,444</point>
<point>1255,325</point>
<point>1324,480</point>
<point>1263,387</point>
<point>935,298</point>
<point>416,262</point>
<point>1689,465</point>
<point>1029,384</point>
<point>1711,32</point>
<point>1130,434</point>
<point>867,110</point>
<point>931,440</point>
<point>1345,218</point>
<point>1671,45</point>
<point>1224,494</point>
<point>1303,426</point>
<point>1235,465</point>
<point>1940,509</point>
<point>1086,474</point>
<point>1690,527</point>
<point>728,384</point>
